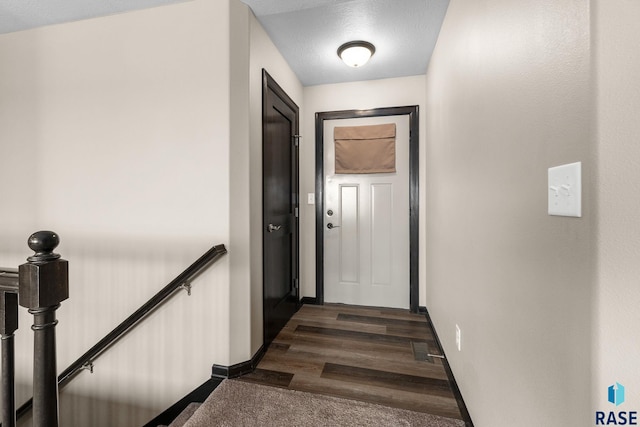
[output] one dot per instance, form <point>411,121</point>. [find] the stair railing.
<point>182,281</point>
<point>41,285</point>
<point>8,325</point>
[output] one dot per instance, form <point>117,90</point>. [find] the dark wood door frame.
<point>293,300</point>
<point>412,112</point>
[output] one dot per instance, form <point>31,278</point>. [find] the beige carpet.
<point>237,403</point>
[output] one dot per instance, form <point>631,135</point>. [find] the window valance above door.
<point>365,149</point>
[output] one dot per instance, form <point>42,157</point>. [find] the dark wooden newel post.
<point>8,325</point>
<point>43,285</point>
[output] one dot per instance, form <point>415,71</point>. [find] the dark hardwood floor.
<point>370,354</point>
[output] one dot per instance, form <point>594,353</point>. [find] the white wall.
<point>239,182</point>
<point>115,133</point>
<point>616,315</point>
<point>18,146</point>
<point>508,96</point>
<point>352,96</point>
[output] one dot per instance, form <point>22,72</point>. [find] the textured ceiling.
<point>307,32</point>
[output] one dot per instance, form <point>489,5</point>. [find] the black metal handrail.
<point>130,322</point>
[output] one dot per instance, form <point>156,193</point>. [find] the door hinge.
<point>296,212</point>
<point>296,283</point>
<point>296,140</point>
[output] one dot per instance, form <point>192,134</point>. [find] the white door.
<point>366,247</point>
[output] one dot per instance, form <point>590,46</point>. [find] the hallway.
<point>369,354</point>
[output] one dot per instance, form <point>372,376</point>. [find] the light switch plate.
<point>565,190</point>
<point>311,198</point>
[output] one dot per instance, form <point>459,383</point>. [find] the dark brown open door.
<point>280,207</point>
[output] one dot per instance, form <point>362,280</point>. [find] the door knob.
<point>271,228</point>
<point>330,226</point>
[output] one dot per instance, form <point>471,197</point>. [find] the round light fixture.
<point>356,53</point>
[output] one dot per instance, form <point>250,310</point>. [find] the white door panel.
<point>349,234</point>
<point>381,234</point>
<point>366,255</point>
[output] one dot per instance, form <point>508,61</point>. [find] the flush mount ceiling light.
<point>356,53</point>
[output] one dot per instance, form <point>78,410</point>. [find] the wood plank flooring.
<point>370,354</point>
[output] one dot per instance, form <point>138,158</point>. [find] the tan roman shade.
<point>366,149</point>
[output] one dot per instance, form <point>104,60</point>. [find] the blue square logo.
<point>616,394</point>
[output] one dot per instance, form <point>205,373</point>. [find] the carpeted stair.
<point>184,415</point>
<point>237,403</point>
